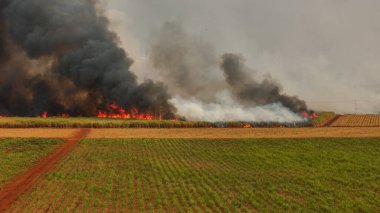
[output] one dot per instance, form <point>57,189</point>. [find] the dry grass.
<point>357,121</point>
<point>37,133</point>
<point>326,132</point>
<point>237,133</point>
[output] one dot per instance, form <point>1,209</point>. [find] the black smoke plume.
<point>60,57</point>
<point>252,92</point>
<point>186,63</point>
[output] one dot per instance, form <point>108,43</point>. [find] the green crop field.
<point>322,118</point>
<point>245,175</point>
<point>17,155</point>
<point>78,122</point>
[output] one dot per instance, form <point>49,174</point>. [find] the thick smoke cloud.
<point>186,63</point>
<point>87,68</point>
<point>252,92</point>
<point>326,52</point>
<point>207,90</point>
<point>3,34</point>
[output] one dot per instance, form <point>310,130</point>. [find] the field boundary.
<point>330,121</point>
<point>21,183</point>
<point>324,119</point>
<point>357,120</point>
<point>25,122</point>
<point>230,133</point>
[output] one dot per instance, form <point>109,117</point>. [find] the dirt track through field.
<point>329,122</point>
<point>20,184</point>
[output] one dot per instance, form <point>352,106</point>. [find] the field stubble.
<point>357,121</point>
<point>37,133</point>
<point>325,132</point>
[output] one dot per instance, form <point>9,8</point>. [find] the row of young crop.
<point>210,175</point>
<point>143,176</point>
<point>110,182</point>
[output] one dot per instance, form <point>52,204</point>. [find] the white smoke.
<point>196,110</point>
<point>326,52</point>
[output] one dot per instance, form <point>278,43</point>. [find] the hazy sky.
<point>326,51</point>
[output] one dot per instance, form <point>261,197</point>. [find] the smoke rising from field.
<point>62,57</point>
<point>251,92</point>
<point>186,63</point>
<point>325,52</point>
<point>212,87</point>
<point>83,68</point>
<point>230,111</point>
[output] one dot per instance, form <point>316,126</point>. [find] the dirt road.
<point>18,185</point>
<point>324,132</point>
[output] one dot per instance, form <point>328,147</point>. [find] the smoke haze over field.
<point>194,73</point>
<point>85,69</point>
<point>221,59</point>
<point>325,52</point>
<point>186,63</point>
<point>251,92</point>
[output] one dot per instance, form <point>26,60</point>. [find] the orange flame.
<point>117,112</point>
<point>310,116</point>
<point>45,115</point>
<point>120,113</point>
<point>247,126</point>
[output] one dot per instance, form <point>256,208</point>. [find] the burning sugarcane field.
<point>189,106</point>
